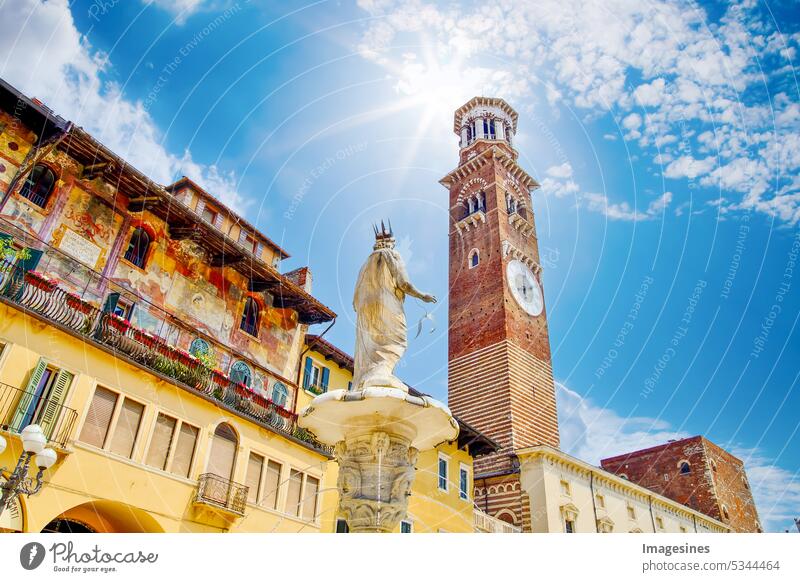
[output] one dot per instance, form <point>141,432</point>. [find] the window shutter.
<point>259,250</point>
<point>27,396</point>
<point>127,428</point>
<point>162,439</point>
<point>201,205</point>
<point>307,372</point>
<point>242,236</point>
<point>310,500</point>
<point>293,495</point>
<point>53,407</point>
<point>98,417</point>
<point>325,376</point>
<point>187,197</point>
<point>272,485</point>
<point>184,450</point>
<point>111,303</point>
<point>253,479</point>
<point>223,453</point>
<point>218,220</point>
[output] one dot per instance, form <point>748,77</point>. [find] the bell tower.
<point>500,377</point>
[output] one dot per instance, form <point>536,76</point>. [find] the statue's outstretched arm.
<point>398,269</point>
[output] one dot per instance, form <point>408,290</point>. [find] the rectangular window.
<point>601,501</point>
<point>405,526</point>
<point>631,512</point>
<point>310,498</point>
<point>463,482</point>
<point>184,449</point>
<point>272,485</point>
<point>569,526</point>
<point>659,523</point>
<point>442,472</point>
<point>127,428</point>
<point>98,417</point>
<point>341,526</point>
<point>683,529</point>
<point>161,441</point>
<point>209,215</point>
<point>253,480</point>
<point>565,488</point>
<point>292,506</point>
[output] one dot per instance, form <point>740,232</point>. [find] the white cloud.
<point>591,433</point>
<point>47,58</point>
<point>692,75</point>
<point>562,171</point>
<point>623,211</point>
<point>180,9</point>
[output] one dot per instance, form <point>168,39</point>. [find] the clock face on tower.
<point>524,287</point>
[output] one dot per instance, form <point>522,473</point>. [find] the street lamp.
<point>18,482</point>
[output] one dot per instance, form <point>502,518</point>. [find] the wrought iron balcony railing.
<point>36,293</point>
<point>19,408</point>
<point>220,492</point>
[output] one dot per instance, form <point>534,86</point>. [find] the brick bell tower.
<point>500,377</point>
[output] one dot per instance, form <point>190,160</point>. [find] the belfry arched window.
<point>685,467</point>
<point>39,185</point>
<point>250,317</point>
<point>474,258</point>
<point>138,247</point>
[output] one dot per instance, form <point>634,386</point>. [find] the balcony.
<point>36,293</point>
<point>19,408</point>
<point>221,493</point>
<point>485,523</point>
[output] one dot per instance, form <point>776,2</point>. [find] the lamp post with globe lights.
<point>19,482</point>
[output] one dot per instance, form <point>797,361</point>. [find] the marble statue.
<point>381,289</point>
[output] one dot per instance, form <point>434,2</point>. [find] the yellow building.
<point>150,333</point>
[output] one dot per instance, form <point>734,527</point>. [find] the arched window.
<point>474,258</point>
<point>223,453</point>
<point>39,185</point>
<point>470,133</point>
<point>138,247</point>
<point>280,394</point>
<point>492,129</point>
<point>481,201</point>
<point>199,347</point>
<point>250,317</point>
<point>685,467</point>
<point>241,373</point>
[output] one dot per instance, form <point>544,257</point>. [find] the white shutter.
<point>201,205</point>
<point>242,236</point>
<point>293,495</point>
<point>259,250</point>
<point>218,220</point>
<point>98,417</point>
<point>310,498</point>
<point>160,442</point>
<point>184,450</point>
<point>272,485</point>
<point>127,428</point>
<point>253,481</point>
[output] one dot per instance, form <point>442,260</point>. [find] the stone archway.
<point>103,517</point>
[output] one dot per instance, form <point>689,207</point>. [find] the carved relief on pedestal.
<point>375,476</point>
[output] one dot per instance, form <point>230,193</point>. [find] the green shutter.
<point>53,407</point>
<point>307,373</point>
<point>27,396</point>
<point>111,303</point>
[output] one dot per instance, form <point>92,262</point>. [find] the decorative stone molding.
<point>471,221</point>
<point>509,250</point>
<point>569,512</point>
<point>375,476</point>
<point>524,227</point>
<point>605,524</point>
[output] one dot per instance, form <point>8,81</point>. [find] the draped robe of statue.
<point>381,322</point>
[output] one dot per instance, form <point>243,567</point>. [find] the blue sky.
<point>665,136</point>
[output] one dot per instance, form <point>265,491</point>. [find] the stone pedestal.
<point>377,433</point>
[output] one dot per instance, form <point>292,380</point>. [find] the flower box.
<point>78,304</point>
<point>119,324</point>
<point>145,338</point>
<point>40,281</point>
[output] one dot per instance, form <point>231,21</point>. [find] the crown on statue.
<point>383,234</point>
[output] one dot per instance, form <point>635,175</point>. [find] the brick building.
<point>697,473</point>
